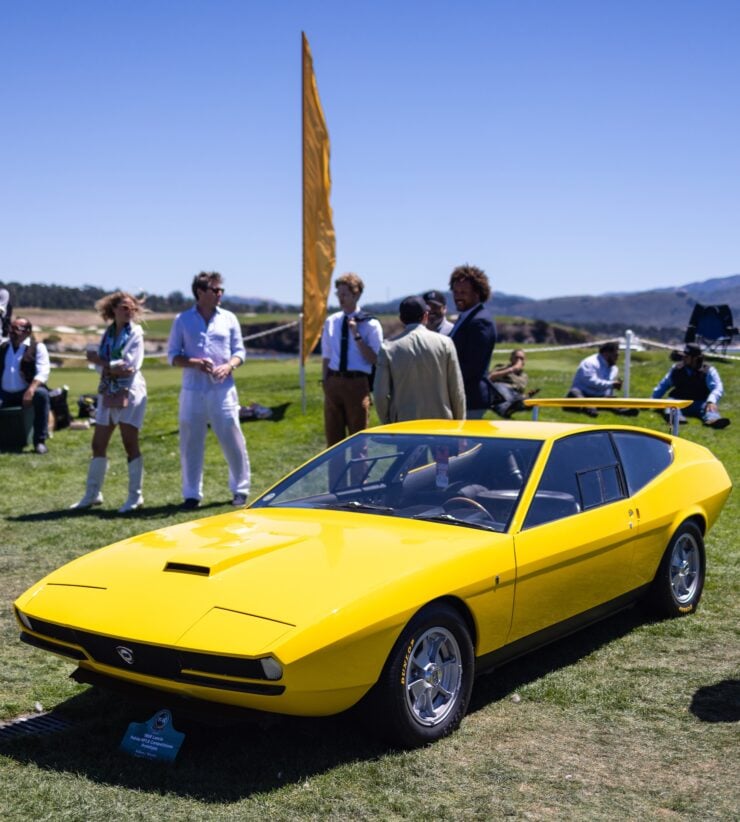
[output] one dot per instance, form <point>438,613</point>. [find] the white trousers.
<point>219,407</point>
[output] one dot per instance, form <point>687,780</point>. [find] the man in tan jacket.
<point>418,375</point>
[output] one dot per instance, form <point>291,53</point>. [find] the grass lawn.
<point>628,719</point>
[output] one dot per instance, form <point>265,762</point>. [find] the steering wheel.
<point>467,501</point>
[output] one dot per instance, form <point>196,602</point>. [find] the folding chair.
<point>711,327</point>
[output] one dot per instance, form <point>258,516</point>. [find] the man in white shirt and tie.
<point>350,343</point>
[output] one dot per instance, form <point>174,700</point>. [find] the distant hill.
<point>662,312</point>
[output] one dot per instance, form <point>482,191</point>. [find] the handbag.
<point>117,400</point>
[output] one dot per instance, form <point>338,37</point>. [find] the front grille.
<point>153,660</point>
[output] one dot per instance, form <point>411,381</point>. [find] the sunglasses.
<point>215,288</point>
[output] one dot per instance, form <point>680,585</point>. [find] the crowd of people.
<point>433,369</point>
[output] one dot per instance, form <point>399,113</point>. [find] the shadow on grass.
<point>717,703</point>
<point>502,681</point>
<point>229,755</point>
<point>147,512</point>
<point>224,757</point>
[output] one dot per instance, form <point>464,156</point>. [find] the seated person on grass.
<point>509,383</point>
<point>693,379</point>
<point>598,376</point>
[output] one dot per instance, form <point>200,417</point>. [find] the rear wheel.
<point>425,687</point>
<point>679,582</point>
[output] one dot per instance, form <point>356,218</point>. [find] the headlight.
<point>271,667</point>
<point>25,621</point>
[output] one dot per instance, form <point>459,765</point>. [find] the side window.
<point>643,457</point>
<point>582,472</point>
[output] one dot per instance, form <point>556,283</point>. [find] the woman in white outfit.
<point>121,397</point>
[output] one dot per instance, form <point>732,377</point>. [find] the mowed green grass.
<point>628,719</point>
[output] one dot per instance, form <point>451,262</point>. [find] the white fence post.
<point>627,362</point>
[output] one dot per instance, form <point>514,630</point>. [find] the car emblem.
<point>126,654</point>
<point>161,719</point>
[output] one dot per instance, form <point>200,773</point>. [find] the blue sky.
<point>565,147</point>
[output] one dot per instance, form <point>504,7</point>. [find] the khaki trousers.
<point>346,406</point>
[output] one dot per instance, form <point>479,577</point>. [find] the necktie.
<point>344,344</point>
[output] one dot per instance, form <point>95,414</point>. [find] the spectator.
<point>598,376</point>
<point>418,374</point>
<point>693,379</point>
<point>474,335</point>
<point>206,341</point>
<point>437,303</point>
<point>121,398</point>
<point>25,368</point>
<point>6,313</point>
<point>509,382</point>
<point>350,343</point>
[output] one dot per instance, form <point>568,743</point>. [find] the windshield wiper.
<point>355,505</point>
<point>455,521</point>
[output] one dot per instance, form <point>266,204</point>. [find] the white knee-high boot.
<point>135,480</point>
<point>95,478</point>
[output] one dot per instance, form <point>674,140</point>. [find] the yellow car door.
<point>574,543</point>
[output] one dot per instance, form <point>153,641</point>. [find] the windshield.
<point>465,481</point>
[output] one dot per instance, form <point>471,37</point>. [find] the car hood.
<point>273,570</point>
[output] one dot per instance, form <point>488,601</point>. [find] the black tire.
<point>420,706</point>
<point>678,585</point>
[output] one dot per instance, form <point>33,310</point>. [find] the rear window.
<point>643,457</point>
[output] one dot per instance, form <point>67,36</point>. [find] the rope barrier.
<point>539,350</point>
<point>65,356</point>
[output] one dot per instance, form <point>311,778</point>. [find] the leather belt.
<point>348,375</point>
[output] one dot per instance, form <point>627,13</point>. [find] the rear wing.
<point>610,403</point>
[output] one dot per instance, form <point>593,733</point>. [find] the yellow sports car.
<point>391,568</point>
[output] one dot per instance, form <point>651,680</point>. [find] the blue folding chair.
<point>711,327</point>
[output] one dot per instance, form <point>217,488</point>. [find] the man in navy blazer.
<point>474,335</point>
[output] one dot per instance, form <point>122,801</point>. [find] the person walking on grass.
<point>122,398</point>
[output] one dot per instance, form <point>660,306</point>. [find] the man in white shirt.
<point>598,376</point>
<point>350,343</point>
<point>207,342</point>
<point>25,368</point>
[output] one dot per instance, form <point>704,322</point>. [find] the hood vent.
<point>187,568</point>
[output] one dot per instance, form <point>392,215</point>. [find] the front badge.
<point>126,654</point>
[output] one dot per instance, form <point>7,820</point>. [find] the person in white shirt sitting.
<point>25,368</point>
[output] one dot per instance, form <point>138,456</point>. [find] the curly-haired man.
<point>474,335</point>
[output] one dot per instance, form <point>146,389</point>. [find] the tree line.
<point>38,295</point>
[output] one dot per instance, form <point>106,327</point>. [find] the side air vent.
<point>187,568</point>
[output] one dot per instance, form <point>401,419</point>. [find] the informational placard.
<point>156,739</point>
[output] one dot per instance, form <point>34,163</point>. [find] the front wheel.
<point>424,690</point>
<point>679,582</point>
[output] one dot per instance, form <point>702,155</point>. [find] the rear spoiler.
<point>610,403</point>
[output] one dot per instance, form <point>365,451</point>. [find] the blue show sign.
<point>156,739</point>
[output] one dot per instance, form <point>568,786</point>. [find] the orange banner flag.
<point>319,243</point>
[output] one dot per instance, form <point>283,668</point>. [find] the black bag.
<point>86,405</point>
<point>60,408</point>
